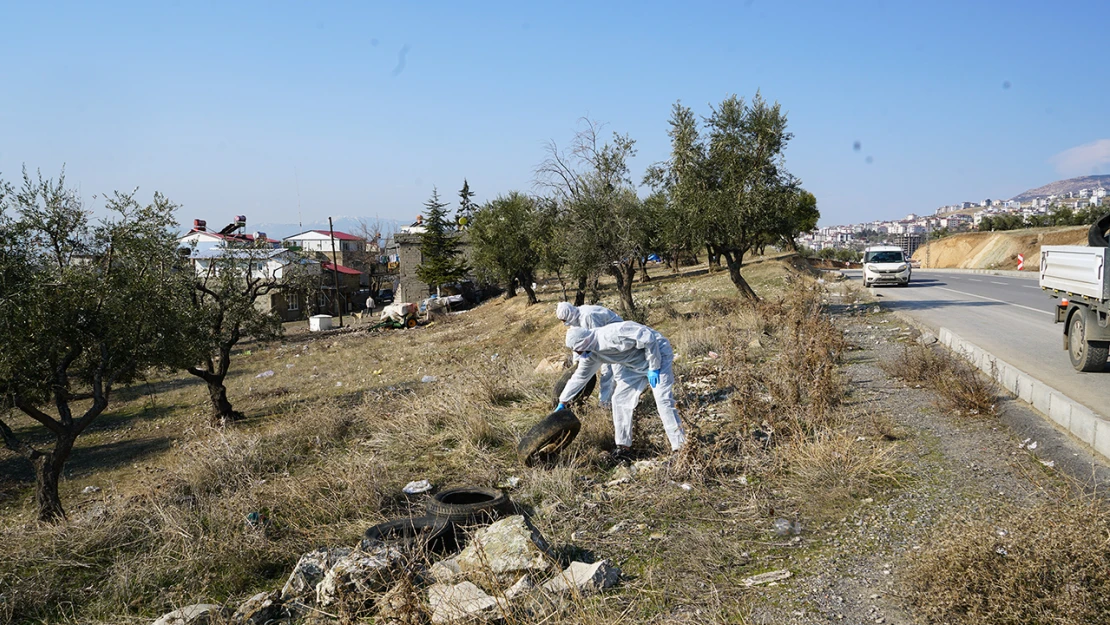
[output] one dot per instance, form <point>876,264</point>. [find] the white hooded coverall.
<point>591,318</point>
<point>633,349</point>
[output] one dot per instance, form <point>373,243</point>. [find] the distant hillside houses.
<point>958,217</point>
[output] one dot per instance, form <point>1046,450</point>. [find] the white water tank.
<point>319,323</point>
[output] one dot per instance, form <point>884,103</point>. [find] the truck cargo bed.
<point>1076,271</point>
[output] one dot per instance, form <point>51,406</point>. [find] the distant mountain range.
<point>1062,187</point>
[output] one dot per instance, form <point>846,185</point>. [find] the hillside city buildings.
<point>911,231</point>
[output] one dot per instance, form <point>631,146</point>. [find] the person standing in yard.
<point>591,318</point>
<point>370,304</point>
<point>640,357</point>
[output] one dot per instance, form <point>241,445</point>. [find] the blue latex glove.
<point>653,377</point>
<point>561,406</point>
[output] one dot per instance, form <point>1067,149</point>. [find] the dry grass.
<point>345,422</point>
<point>834,468</point>
<point>961,388</point>
<point>1046,564</point>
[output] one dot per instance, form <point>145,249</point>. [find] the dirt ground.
<point>996,250</point>
<point>954,468</point>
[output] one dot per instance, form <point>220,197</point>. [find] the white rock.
<point>197,614</point>
<point>463,601</point>
<point>310,570</point>
<point>767,578</point>
<point>446,571</point>
<point>508,547</point>
<point>260,609</point>
<point>359,573</point>
<point>584,578</point>
<point>522,585</point>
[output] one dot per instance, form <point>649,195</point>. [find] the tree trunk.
<point>625,274</point>
<point>595,289</point>
<point>734,261</point>
<point>527,286</point>
<point>48,467</point>
<point>510,290</point>
<point>222,412</point>
<point>580,294</point>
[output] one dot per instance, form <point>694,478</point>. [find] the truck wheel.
<point>1085,355</point>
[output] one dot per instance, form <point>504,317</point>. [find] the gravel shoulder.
<point>952,467</point>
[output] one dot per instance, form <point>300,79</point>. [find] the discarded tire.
<point>427,531</point>
<point>562,383</point>
<point>548,437</point>
<point>468,505</point>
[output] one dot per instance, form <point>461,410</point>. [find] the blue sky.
<point>359,109</point>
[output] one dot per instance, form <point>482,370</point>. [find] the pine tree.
<point>442,260</point>
<point>465,214</point>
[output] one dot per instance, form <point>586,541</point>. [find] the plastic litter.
<point>265,374</point>
<point>88,490</point>
<point>511,482</point>
<point>417,487</point>
<point>428,378</point>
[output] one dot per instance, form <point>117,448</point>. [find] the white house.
<point>322,241</point>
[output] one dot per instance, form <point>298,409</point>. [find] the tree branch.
<point>16,445</point>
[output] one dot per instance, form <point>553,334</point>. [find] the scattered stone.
<point>522,586</point>
<point>463,601</point>
<point>767,578</point>
<point>428,378</point>
<point>197,614</point>
<point>551,364</point>
<point>269,373</point>
<point>585,578</point>
<point>618,527</point>
<point>260,609</point>
<point>88,490</point>
<point>446,571</point>
<point>646,466</point>
<point>657,536</point>
<point>927,339</point>
<point>360,572</point>
<point>510,546</point>
<point>401,603</point>
<point>310,571</point>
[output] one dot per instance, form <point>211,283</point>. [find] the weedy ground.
<point>344,421</point>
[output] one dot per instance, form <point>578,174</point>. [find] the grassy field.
<point>345,420</point>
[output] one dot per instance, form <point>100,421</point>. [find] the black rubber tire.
<point>468,505</point>
<point>582,395</point>
<point>410,322</point>
<point>548,437</point>
<point>1085,355</point>
<point>426,532</point>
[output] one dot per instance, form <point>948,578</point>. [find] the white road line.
<point>1026,286</point>
<point>1003,283</point>
<point>974,280</point>
<point>991,299</point>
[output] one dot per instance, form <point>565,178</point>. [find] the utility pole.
<point>335,271</point>
<point>928,240</point>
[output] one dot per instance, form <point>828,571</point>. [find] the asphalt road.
<point>1009,317</point>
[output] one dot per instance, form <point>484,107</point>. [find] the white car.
<point>885,264</point>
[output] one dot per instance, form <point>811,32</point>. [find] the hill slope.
<point>997,250</point>
<point>1061,187</point>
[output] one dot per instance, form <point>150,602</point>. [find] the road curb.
<point>1083,423</point>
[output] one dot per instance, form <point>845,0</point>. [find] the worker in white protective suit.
<point>640,357</point>
<point>591,318</point>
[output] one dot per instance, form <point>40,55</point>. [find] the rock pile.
<point>506,569</point>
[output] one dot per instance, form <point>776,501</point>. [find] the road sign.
<point>1021,262</point>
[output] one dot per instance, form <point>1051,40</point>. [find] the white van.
<point>885,264</point>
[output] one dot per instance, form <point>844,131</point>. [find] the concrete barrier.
<point>1082,422</point>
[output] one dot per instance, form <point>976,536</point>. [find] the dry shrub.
<point>1045,564</point>
<point>834,467</point>
<point>961,387</point>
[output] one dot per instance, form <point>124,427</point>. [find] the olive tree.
<point>84,308</point>
<point>503,233</point>
<point>232,283</point>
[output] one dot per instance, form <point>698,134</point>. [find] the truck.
<point>1079,277</point>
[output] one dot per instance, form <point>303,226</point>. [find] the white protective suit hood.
<point>567,313</point>
<point>581,340</point>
